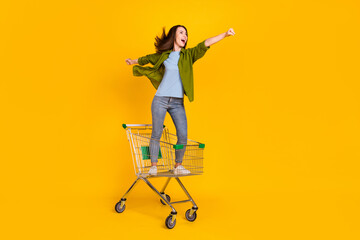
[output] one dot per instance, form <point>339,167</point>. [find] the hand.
<point>230,32</point>
<point>129,61</point>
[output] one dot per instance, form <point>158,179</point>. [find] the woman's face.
<point>181,37</point>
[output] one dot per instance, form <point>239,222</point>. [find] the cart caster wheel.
<point>167,198</point>
<point>187,215</point>
<point>118,207</point>
<point>168,222</point>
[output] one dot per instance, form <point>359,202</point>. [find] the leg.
<point>177,113</point>
<point>158,111</point>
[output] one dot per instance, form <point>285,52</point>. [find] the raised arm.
<point>212,40</point>
<point>150,58</point>
<point>199,50</point>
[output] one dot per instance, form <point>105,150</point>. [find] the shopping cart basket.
<point>139,136</point>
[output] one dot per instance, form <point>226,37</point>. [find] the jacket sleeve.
<point>198,51</point>
<point>150,58</point>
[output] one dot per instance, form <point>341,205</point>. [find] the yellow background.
<point>277,106</point>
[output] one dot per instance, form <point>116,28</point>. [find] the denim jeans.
<point>175,106</point>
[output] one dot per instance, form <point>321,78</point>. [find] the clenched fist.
<point>230,32</point>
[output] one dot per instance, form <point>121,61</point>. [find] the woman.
<point>172,76</point>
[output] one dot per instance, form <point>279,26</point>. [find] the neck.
<point>176,48</point>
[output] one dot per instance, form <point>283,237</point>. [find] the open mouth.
<point>183,41</point>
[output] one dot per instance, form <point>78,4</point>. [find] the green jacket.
<point>186,60</point>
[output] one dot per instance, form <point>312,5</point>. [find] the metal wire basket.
<point>139,136</point>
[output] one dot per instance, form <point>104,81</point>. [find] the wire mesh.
<point>139,137</point>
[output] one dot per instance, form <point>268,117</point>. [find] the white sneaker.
<point>153,170</point>
<point>181,170</point>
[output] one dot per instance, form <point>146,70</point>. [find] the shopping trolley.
<point>139,136</point>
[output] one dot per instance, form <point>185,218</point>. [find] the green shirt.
<point>186,60</point>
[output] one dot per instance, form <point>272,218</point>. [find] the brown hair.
<point>166,41</point>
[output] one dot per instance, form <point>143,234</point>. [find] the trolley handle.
<point>125,126</point>
<point>176,146</point>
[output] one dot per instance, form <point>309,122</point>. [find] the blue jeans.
<point>175,106</point>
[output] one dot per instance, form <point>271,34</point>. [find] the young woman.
<point>172,76</point>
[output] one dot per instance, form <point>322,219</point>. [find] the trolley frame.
<point>193,154</point>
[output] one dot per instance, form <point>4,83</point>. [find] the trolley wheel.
<point>118,207</point>
<point>167,198</point>
<point>187,215</point>
<point>168,222</point>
